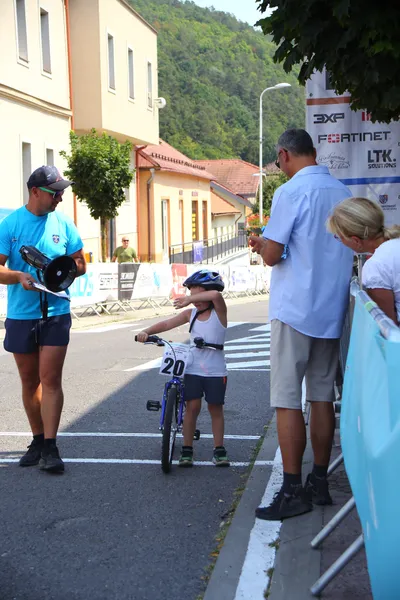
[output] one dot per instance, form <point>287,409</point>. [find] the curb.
<point>297,566</point>
<point>225,576</point>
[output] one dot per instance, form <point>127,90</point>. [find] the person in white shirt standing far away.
<point>308,300</point>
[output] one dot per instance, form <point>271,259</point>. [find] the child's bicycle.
<point>173,401</point>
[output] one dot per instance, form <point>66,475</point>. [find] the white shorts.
<point>294,356</point>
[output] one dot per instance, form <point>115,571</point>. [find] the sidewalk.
<point>294,566</point>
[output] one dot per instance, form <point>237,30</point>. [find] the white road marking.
<point>251,340</point>
<point>260,345</point>
<point>257,346</point>
<point>138,461</point>
<point>246,355</point>
<point>259,370</point>
<point>266,327</point>
<point>152,364</point>
<point>106,328</point>
<point>252,363</point>
<point>260,556</point>
<point>116,326</point>
<point>207,436</point>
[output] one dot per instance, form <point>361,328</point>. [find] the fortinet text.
<point>367,136</point>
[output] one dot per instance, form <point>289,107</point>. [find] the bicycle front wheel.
<point>169,429</point>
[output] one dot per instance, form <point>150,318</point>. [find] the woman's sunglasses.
<point>52,192</point>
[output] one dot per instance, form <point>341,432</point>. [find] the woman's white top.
<point>382,270</point>
<point>207,362</point>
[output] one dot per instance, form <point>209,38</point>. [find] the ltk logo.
<point>381,159</point>
<point>383,198</point>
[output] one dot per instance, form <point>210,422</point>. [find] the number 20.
<point>178,367</point>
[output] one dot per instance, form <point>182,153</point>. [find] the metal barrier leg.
<point>333,523</point>
<point>335,464</point>
<point>337,566</point>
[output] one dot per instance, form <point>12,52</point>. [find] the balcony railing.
<point>208,251</point>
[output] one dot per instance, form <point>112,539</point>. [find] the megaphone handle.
<point>44,304</point>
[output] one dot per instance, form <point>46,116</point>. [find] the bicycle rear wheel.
<point>170,429</point>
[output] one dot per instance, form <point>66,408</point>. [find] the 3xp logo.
<point>322,118</point>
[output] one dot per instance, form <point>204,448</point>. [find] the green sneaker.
<point>220,458</point>
<point>186,457</point>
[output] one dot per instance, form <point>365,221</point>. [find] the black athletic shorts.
<point>26,336</point>
<point>212,388</point>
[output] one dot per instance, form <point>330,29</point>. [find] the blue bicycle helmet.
<point>209,280</point>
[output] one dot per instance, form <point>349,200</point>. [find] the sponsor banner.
<point>224,271</point>
<point>107,282</point>
<point>362,154</point>
<point>179,274</point>
<point>266,277</point>
<point>127,275</point>
<point>139,281</point>
<point>143,285</point>
<point>197,252</point>
<point>162,280</point>
<point>370,436</point>
<point>99,284</point>
<point>239,278</point>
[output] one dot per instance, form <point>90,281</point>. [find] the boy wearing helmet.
<point>206,374</point>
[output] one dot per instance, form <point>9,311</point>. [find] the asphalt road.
<point>110,530</point>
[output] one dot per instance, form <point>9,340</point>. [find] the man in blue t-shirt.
<point>39,341</point>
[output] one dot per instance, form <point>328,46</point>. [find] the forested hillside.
<point>212,69</point>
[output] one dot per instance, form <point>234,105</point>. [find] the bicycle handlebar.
<point>153,339</point>
<point>198,342</point>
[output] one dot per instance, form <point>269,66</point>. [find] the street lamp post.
<point>278,86</point>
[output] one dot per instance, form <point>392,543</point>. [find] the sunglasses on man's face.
<point>125,240</point>
<point>277,162</point>
<point>52,192</point>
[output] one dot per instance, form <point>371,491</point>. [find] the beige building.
<point>77,64</point>
<point>114,90</point>
<point>35,114</point>
<point>175,202</point>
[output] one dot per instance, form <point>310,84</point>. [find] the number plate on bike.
<point>174,362</point>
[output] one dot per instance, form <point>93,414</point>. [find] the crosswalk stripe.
<point>253,363</point>
<point>247,354</point>
<point>246,347</point>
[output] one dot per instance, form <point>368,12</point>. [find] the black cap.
<point>48,177</point>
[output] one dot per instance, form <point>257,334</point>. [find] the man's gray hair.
<point>296,141</point>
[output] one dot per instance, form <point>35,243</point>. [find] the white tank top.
<point>207,362</point>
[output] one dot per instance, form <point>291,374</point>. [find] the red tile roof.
<point>166,158</point>
<point>219,206</point>
<point>235,174</point>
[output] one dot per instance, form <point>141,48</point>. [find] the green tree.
<point>100,167</point>
<point>212,69</point>
<point>357,41</point>
<point>270,185</point>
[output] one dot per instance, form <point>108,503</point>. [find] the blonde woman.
<point>359,224</point>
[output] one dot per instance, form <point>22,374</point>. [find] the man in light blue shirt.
<point>38,325</point>
<point>308,301</point>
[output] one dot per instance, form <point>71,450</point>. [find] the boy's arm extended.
<point>207,296</point>
<point>181,319</point>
